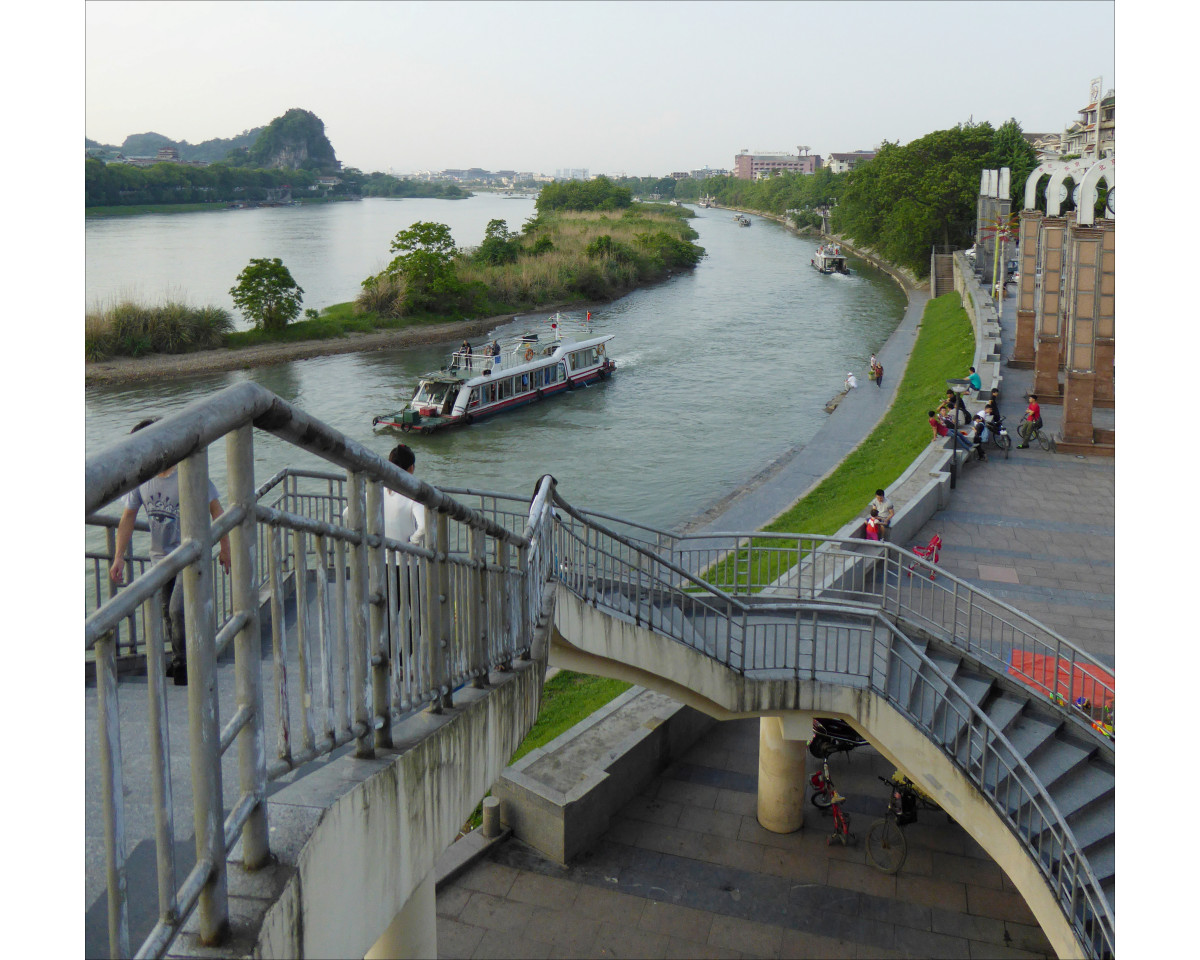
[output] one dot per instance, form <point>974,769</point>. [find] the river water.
<point>719,372</point>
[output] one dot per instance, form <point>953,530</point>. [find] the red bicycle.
<point>826,797</point>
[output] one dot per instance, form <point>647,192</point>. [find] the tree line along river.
<point>720,371</point>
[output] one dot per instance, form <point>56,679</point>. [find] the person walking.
<point>878,371</point>
<point>160,496</point>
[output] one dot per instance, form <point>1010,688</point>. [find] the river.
<point>720,371</point>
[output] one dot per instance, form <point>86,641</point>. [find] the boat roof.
<point>564,345</point>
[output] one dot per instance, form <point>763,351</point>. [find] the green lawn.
<point>944,349</point>
<point>567,698</point>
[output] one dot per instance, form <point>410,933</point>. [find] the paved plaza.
<point>685,869</point>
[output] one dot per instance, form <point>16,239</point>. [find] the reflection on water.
<point>719,373</point>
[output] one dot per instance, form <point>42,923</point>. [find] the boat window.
<point>524,382</point>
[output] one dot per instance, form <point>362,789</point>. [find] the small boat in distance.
<point>527,368</point>
<point>829,259</point>
<point>741,221</point>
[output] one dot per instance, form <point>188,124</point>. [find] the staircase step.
<point>1102,858</point>
<point>1093,821</point>
<point>1085,783</point>
<point>1027,731</point>
<point>1002,707</point>
<point>1057,758</point>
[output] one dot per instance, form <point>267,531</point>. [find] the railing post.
<point>381,707</point>
<point>504,599</point>
<point>364,744</point>
<point>439,637</point>
<point>243,540</point>
<point>525,624</point>
<point>477,610</point>
<point>114,795</point>
<point>168,905</point>
<point>204,726</point>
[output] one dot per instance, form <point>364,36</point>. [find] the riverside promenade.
<point>685,869</point>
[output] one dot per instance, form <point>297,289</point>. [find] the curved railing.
<point>837,620</point>
<point>378,628</point>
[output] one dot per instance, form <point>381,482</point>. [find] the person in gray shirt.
<point>160,496</point>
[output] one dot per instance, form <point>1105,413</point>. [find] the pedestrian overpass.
<point>406,675</point>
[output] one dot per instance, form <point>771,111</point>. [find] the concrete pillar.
<point>1026,339</point>
<point>1050,310</point>
<point>781,778</point>
<point>413,931</point>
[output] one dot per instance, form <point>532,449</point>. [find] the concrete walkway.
<point>686,871</point>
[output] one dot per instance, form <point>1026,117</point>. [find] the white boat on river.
<point>830,259</point>
<point>480,383</point>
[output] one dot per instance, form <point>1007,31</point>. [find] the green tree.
<point>1011,149</point>
<point>266,294</point>
<point>425,255</point>
<point>499,245</point>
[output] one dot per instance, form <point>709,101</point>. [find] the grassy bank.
<point>562,258</point>
<point>944,348</point>
<point>131,209</point>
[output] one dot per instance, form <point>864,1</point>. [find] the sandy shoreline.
<point>164,366</point>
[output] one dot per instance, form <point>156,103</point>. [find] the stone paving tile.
<point>506,946</point>
<point>921,943</point>
<point>1023,936</point>
<point>931,892</point>
<point>692,794</point>
<point>966,926</point>
<point>652,810</point>
<point>451,899</point>
<point>863,878</point>
<point>680,949</point>
<point>596,903</point>
<point>796,866</point>
<point>623,940</point>
<point>736,801</point>
<point>676,921</point>
<point>752,939</point>
<point>496,913</point>
<point>966,869</point>
<point>716,822</point>
<point>569,935</point>
<point>541,891</point>
<point>991,951</point>
<point>457,940</point>
<point>999,905</point>
<point>813,946</point>
<point>488,877</point>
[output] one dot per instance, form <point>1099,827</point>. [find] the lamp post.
<point>959,387</point>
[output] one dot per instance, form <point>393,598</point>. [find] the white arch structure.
<point>1105,170</point>
<point>1071,168</point>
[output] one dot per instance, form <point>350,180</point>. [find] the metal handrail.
<point>602,566</point>
<point>382,627</point>
<point>721,545</point>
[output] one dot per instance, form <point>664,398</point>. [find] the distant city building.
<point>755,166</point>
<point>571,173</point>
<point>841,162</point>
<point>1094,134</point>
<point>708,172</point>
<point>1047,145</point>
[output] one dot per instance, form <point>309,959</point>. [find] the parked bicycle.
<point>1000,438</point>
<point>826,796</point>
<point>886,845</point>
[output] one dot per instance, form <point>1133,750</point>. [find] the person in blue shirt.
<point>973,379</point>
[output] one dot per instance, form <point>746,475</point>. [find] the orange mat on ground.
<point>1050,673</point>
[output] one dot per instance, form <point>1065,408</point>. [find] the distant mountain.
<point>148,144</point>
<point>294,141</point>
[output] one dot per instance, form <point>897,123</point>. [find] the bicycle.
<point>1039,434</point>
<point>1000,438</point>
<point>886,845</point>
<point>831,800</point>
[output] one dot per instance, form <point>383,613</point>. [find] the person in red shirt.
<point>1030,422</point>
<point>941,428</point>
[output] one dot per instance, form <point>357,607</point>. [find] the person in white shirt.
<point>851,381</point>
<point>403,519</point>
<point>881,503</point>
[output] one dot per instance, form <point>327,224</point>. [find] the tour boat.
<point>740,220</point>
<point>531,367</point>
<point>829,259</point>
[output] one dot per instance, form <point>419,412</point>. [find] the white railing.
<point>362,630</point>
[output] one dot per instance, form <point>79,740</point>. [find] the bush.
<point>130,329</point>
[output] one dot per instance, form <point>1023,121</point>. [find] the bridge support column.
<point>413,931</point>
<point>781,778</point>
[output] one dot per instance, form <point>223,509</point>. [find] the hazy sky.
<point>635,88</point>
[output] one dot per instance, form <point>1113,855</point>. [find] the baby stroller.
<point>931,552</point>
